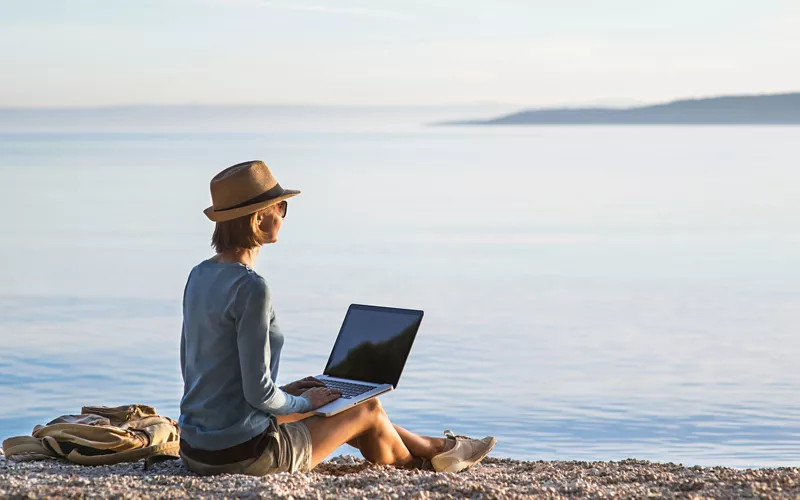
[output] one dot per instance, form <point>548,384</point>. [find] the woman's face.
<point>270,222</point>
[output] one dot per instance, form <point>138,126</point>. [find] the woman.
<point>234,418</point>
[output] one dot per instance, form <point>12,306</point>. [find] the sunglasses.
<point>282,208</point>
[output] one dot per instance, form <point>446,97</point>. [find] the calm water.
<point>590,293</point>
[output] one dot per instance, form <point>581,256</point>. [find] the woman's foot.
<point>461,452</point>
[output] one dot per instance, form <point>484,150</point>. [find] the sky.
<point>56,53</point>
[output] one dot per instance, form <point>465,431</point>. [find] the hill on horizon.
<point>770,109</point>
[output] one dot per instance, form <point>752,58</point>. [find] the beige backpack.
<point>101,435</point>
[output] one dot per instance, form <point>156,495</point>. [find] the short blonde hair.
<point>241,233</point>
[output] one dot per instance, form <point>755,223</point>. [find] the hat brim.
<point>223,215</point>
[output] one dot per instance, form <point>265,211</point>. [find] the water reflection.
<point>621,293</point>
<point>58,361</point>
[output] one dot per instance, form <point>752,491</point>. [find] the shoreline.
<point>350,477</point>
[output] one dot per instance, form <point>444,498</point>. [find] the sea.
<point>590,293</point>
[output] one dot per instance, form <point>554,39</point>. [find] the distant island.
<point>773,109</point>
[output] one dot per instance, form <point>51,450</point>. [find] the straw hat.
<point>243,189</point>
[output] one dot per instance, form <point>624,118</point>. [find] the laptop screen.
<point>373,344</point>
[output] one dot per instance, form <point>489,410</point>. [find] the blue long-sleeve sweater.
<point>230,349</point>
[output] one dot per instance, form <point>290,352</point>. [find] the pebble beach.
<point>350,477</point>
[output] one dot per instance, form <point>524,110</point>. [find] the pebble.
<point>351,477</point>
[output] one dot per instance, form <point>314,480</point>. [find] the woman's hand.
<point>320,396</point>
<point>299,387</point>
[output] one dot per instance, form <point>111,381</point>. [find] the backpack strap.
<point>171,450</point>
<point>31,448</point>
<point>27,448</point>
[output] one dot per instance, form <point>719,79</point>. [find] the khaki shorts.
<point>288,451</point>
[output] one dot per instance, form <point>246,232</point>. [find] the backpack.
<point>101,435</point>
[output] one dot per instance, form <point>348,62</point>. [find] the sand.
<point>349,477</point>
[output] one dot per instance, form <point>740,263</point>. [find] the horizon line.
<point>109,107</point>
<point>101,107</point>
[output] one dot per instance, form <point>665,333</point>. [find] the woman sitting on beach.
<point>234,418</point>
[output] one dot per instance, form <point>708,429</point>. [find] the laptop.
<point>369,354</point>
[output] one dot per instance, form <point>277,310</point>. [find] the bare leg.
<point>422,446</point>
<point>294,417</point>
<point>365,425</point>
<point>418,445</point>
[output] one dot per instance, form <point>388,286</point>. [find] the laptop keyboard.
<point>348,390</point>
